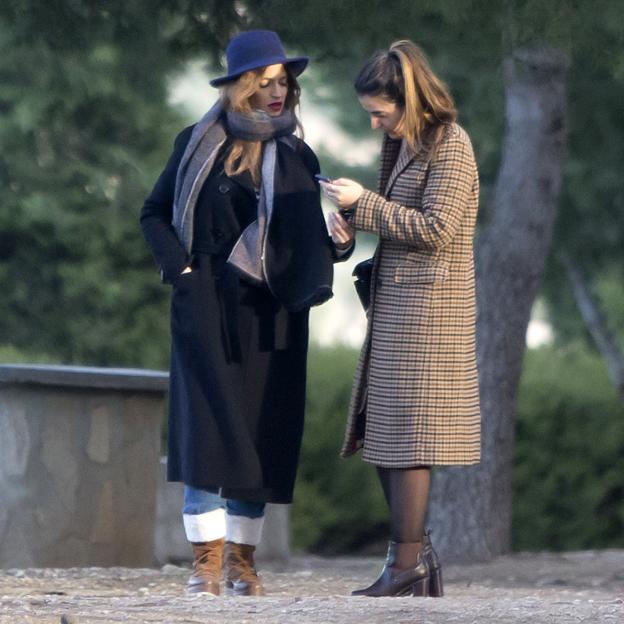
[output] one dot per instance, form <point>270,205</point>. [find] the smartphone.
<point>322,178</point>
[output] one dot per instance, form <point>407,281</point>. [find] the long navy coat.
<point>238,358</point>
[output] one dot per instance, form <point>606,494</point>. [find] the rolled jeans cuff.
<point>204,527</point>
<point>243,530</point>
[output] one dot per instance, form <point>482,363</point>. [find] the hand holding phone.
<point>322,178</point>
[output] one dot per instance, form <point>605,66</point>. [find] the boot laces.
<point>241,567</point>
<point>209,561</point>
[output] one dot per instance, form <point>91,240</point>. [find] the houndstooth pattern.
<point>415,398</point>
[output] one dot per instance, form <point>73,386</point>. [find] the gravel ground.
<point>574,588</point>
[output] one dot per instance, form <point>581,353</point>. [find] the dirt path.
<point>574,588</point>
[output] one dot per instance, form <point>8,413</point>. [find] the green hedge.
<point>338,504</point>
<point>568,477</point>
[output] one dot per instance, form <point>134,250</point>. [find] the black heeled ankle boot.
<point>394,581</point>
<point>436,588</point>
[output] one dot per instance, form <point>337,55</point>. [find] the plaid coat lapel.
<point>403,159</point>
<point>389,153</point>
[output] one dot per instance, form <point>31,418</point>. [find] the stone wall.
<point>81,480</point>
<point>79,452</point>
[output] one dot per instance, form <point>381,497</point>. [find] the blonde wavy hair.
<point>402,75</point>
<point>247,155</point>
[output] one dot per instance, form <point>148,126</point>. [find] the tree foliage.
<point>86,127</point>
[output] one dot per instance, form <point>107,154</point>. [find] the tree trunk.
<point>470,511</point>
<point>596,323</point>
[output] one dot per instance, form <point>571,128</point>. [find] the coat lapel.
<point>389,153</point>
<point>406,155</point>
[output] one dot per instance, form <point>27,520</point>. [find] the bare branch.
<point>595,321</point>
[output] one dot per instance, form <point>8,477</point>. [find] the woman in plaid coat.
<point>415,400</point>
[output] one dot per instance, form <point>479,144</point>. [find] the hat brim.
<point>296,64</point>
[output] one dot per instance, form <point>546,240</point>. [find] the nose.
<point>374,123</point>
<point>278,91</point>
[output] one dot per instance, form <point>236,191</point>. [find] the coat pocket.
<point>182,280</point>
<point>421,272</point>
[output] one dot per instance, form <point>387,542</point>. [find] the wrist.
<point>344,245</point>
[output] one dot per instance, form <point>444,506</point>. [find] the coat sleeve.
<point>340,255</point>
<point>445,198</point>
<point>313,166</point>
<point>156,217</point>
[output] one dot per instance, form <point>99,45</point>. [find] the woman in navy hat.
<point>236,226</point>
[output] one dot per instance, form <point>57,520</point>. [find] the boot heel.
<point>419,588</point>
<point>436,588</point>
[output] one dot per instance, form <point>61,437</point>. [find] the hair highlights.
<point>235,95</point>
<point>403,75</point>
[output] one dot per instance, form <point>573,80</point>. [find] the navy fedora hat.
<point>254,49</point>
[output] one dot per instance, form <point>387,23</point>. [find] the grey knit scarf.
<point>196,164</point>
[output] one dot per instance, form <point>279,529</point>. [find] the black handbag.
<point>362,273</point>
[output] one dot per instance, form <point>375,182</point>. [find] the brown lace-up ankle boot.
<point>398,578</point>
<point>239,570</point>
<point>207,564</point>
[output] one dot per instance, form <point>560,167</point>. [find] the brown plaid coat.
<point>415,398</point>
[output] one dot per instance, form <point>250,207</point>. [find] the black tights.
<point>407,493</point>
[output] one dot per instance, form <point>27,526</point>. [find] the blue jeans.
<point>198,501</point>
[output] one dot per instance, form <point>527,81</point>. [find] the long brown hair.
<point>402,75</point>
<point>247,155</point>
